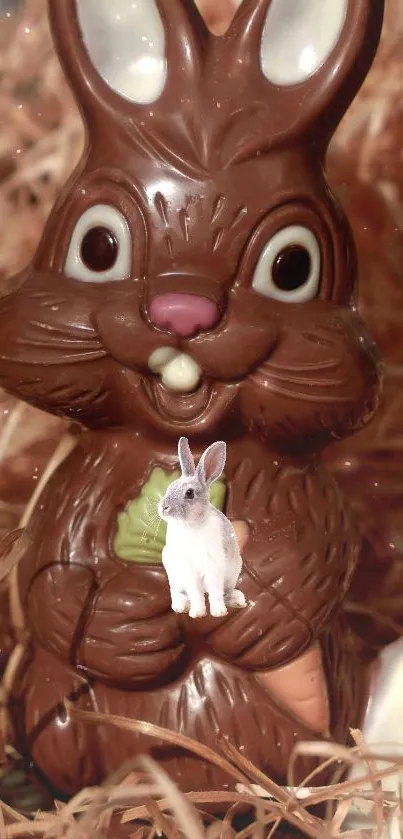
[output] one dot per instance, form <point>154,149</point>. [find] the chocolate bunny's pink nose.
<point>184,314</point>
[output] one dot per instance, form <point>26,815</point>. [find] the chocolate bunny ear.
<point>116,53</point>
<point>285,70</point>
<point>305,58</point>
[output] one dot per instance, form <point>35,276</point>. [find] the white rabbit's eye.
<point>100,248</point>
<point>289,266</point>
<point>190,493</point>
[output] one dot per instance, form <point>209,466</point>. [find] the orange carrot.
<point>301,686</point>
<point>241,533</point>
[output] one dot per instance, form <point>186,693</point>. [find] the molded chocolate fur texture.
<point>204,178</point>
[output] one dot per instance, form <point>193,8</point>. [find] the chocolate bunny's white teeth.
<point>179,372</point>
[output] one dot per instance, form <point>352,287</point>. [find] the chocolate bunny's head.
<point>196,268</point>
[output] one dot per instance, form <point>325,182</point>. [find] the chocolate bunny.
<point>196,278</point>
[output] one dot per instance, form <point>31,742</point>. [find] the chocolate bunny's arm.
<point>131,634</point>
<point>123,630</point>
<point>112,618</point>
<point>56,605</point>
<point>297,565</point>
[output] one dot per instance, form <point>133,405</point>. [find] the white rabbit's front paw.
<point>197,610</point>
<point>180,603</point>
<point>218,609</point>
<point>235,599</point>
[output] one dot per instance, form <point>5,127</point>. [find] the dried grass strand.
<point>159,733</point>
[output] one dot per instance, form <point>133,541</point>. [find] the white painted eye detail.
<point>101,247</point>
<point>289,266</point>
<point>298,37</point>
<point>126,43</point>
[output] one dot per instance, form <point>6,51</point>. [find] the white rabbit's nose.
<point>165,507</point>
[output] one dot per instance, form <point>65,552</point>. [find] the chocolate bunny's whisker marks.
<point>195,280</point>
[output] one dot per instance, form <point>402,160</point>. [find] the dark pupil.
<point>189,493</point>
<point>99,249</point>
<point>292,267</point>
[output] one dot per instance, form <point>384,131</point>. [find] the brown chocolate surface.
<point>203,189</point>
<point>369,465</point>
<point>88,613</point>
<point>28,439</point>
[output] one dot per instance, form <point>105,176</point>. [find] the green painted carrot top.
<point>140,535</point>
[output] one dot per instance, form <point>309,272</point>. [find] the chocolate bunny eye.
<point>101,247</point>
<point>289,266</point>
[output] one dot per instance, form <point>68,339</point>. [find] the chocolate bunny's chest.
<point>100,509</point>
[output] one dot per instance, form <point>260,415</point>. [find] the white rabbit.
<point>201,555</point>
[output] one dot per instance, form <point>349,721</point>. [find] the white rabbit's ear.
<point>212,462</point>
<point>186,461</point>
